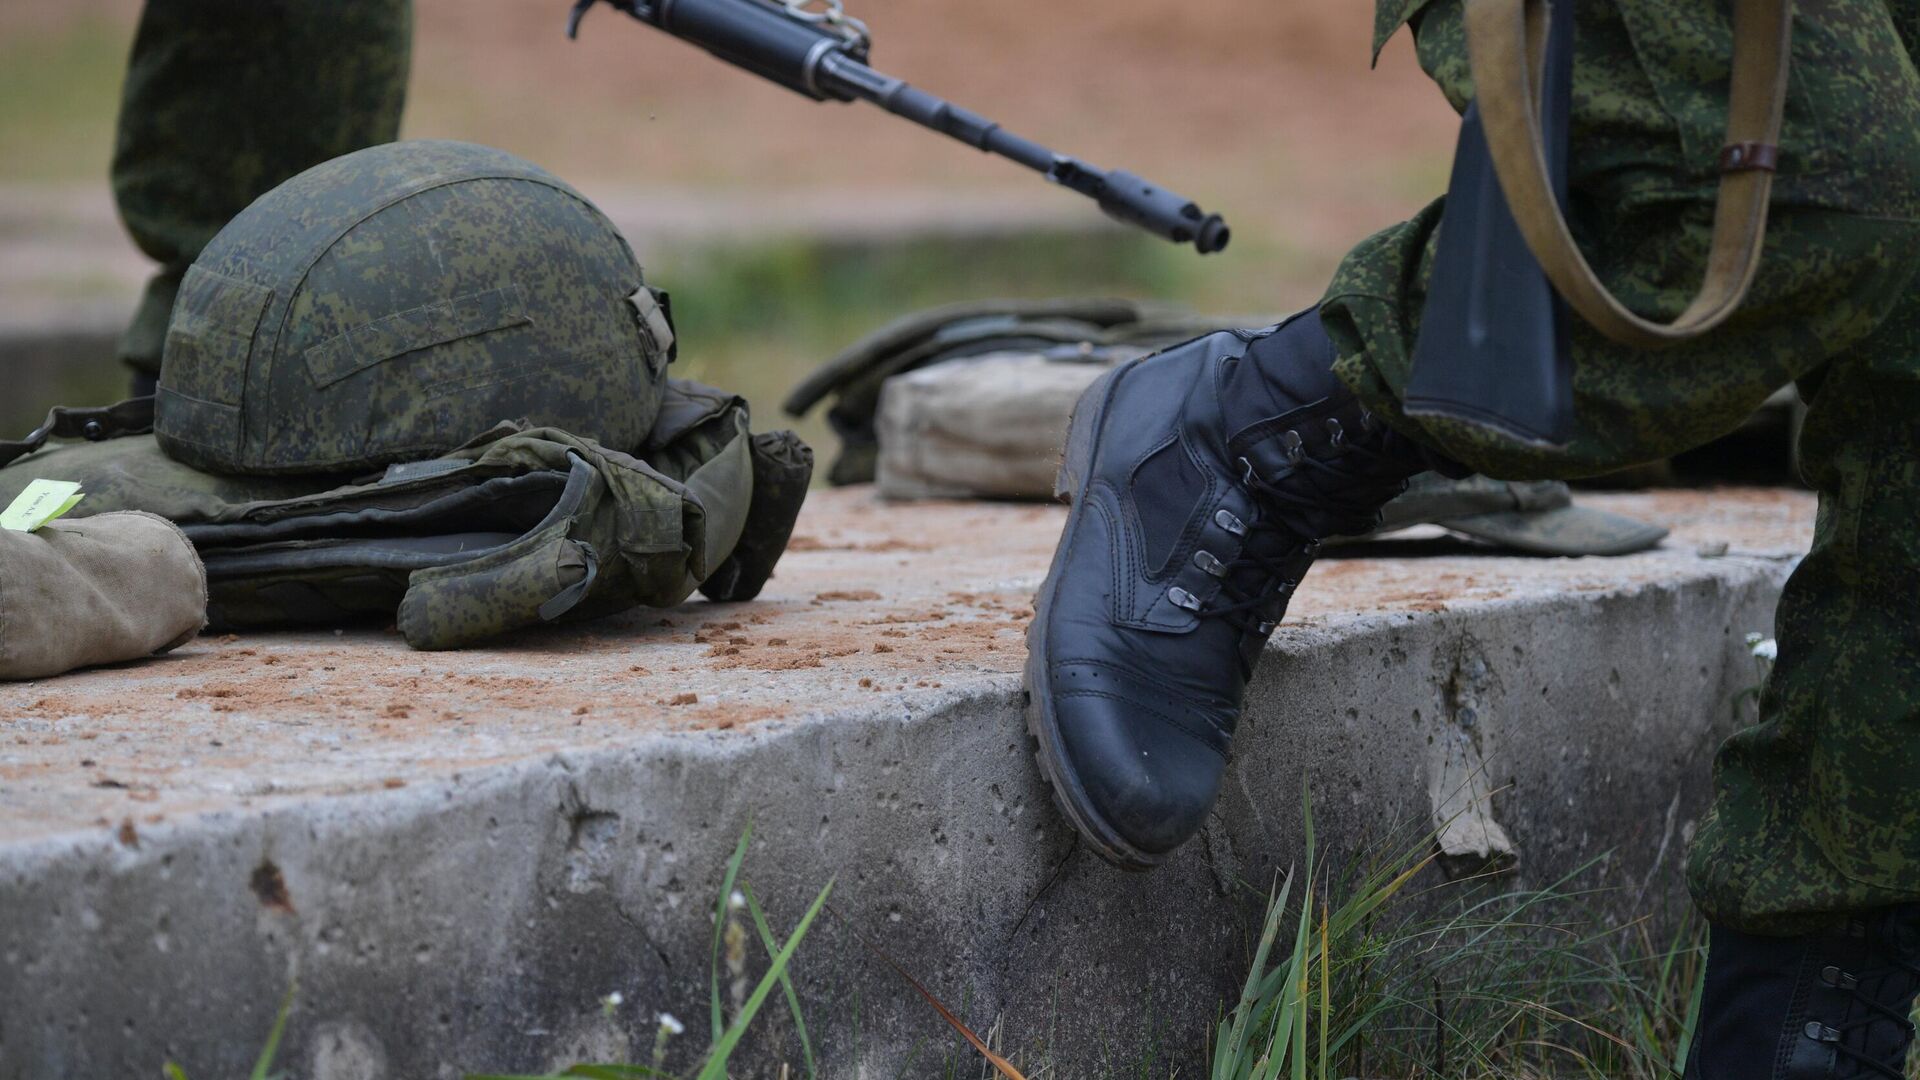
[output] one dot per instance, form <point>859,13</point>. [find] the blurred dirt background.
<point>785,228</point>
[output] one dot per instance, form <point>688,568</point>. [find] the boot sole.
<point>1076,465</point>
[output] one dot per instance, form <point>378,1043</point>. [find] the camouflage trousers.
<point>1816,809</point>
<point>226,98</point>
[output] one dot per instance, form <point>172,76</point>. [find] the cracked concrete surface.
<point>459,854</point>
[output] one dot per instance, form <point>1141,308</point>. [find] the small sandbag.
<point>97,590</point>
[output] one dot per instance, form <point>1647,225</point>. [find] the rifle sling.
<point>1506,41</point>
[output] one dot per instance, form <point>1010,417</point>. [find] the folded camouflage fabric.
<point>944,334</point>
<point>992,426</point>
<point>520,526</point>
<point>1537,518</point>
<point>109,588</point>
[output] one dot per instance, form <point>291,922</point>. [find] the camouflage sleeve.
<point>226,98</point>
<point>1650,85</point>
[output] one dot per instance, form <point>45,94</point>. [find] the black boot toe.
<point>1148,774</point>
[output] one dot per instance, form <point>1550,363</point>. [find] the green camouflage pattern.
<point>473,544</point>
<point>225,100</point>
<point>1817,810</point>
<point>384,304</point>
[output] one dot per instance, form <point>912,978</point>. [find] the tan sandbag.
<point>96,590</point>
<point>989,426</point>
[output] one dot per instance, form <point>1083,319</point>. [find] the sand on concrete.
<point>912,601</point>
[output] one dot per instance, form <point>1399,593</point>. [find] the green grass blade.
<point>1303,965</point>
<point>616,1072</point>
<point>786,981</point>
<point>173,1072</point>
<point>262,1069</point>
<point>1326,991</point>
<point>1230,1047</point>
<point>716,1066</point>
<point>913,1053</point>
<point>720,927</point>
<point>1689,1023</point>
<point>1229,1051</point>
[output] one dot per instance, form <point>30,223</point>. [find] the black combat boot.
<point>1832,1006</point>
<point>1201,479</point>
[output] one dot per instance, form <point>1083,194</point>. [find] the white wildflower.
<point>671,1025</point>
<point>1767,649</point>
<point>737,901</point>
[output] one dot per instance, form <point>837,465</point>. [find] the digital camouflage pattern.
<point>519,527</point>
<point>1817,809</point>
<point>382,305</point>
<point>225,99</point>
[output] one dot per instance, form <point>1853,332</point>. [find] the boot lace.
<point>1346,481</point>
<point>1849,1040</point>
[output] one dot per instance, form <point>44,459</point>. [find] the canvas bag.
<point>109,588</point>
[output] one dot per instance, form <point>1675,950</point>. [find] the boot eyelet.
<point>1206,560</point>
<point>1838,979</point>
<point>1181,598</point>
<point>1294,446</point>
<point>1311,549</point>
<point>1226,520</point>
<point>1336,436</point>
<point>1820,1032</point>
<point>1267,628</point>
<point>1248,477</point>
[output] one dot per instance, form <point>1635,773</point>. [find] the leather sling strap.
<point>1506,41</point>
<point>131,417</point>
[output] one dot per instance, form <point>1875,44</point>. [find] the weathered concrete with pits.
<point>457,855</point>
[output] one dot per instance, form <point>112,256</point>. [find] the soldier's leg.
<point>1809,863</point>
<point>1200,477</point>
<point>1816,816</point>
<point>226,98</point>
<point>1817,809</point>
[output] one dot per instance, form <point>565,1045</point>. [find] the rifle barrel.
<point>1122,195</point>
<point>820,63</point>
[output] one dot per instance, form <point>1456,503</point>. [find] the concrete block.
<point>458,855</point>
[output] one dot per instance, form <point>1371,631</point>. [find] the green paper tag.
<point>43,501</point>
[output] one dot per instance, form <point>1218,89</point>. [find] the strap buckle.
<point>1749,156</point>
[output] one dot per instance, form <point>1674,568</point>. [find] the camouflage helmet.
<point>394,303</point>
